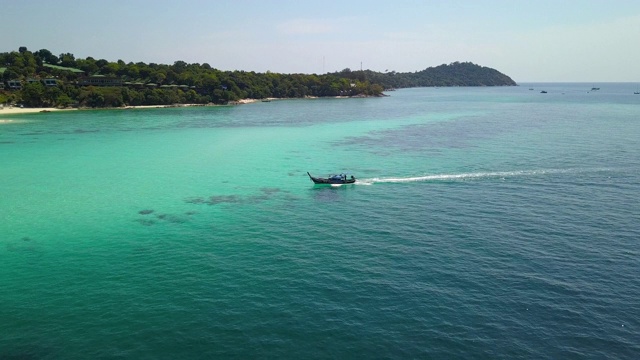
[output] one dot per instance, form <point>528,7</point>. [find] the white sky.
<point>542,40</point>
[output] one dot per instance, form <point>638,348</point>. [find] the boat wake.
<point>470,176</point>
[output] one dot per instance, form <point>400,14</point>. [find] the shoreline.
<point>18,110</point>
<point>11,111</point>
<point>22,110</point>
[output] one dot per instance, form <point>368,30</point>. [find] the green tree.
<point>67,60</point>
<point>10,74</point>
<point>32,94</point>
<point>158,77</point>
<point>47,56</point>
<point>91,97</point>
<point>63,101</point>
<point>112,97</point>
<point>110,69</point>
<point>51,95</point>
<point>87,65</point>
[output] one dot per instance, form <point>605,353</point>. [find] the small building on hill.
<point>50,82</point>
<point>63,68</point>
<point>100,80</point>
<point>14,84</point>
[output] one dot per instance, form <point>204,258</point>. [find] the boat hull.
<point>331,181</point>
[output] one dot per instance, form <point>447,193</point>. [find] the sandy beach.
<point>18,110</point>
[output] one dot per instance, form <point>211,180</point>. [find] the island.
<point>42,79</point>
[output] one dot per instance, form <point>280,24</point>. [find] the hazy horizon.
<point>543,41</point>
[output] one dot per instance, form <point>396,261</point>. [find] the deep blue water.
<point>492,223</point>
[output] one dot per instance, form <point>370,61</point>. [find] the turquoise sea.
<point>496,223</point>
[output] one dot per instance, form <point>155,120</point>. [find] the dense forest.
<point>42,79</point>
<point>454,74</point>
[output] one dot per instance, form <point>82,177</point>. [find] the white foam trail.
<point>465,176</point>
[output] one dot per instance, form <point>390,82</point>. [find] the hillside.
<point>454,74</point>
<point>40,78</point>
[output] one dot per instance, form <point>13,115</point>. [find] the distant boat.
<point>594,89</point>
<point>636,92</point>
<point>333,179</point>
<point>543,92</point>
